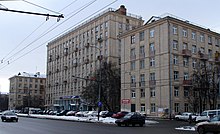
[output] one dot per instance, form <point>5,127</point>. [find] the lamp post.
<point>100,76</point>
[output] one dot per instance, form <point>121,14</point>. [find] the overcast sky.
<point>22,33</point>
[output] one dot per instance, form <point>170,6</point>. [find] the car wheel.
<point>2,120</point>
<point>177,119</point>
<point>16,120</point>
<point>119,124</point>
<point>201,130</point>
<point>141,124</point>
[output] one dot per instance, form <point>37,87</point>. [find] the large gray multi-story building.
<point>77,53</point>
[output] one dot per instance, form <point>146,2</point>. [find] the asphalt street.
<point>45,126</point>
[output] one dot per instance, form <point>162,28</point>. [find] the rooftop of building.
<point>31,75</point>
<point>97,16</point>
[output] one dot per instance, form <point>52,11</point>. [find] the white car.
<point>185,116</point>
<point>91,113</point>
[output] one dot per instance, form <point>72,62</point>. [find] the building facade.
<point>74,56</point>
<point>157,61</point>
<point>3,101</point>
<point>27,90</point>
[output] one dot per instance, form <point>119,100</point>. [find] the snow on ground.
<point>186,128</point>
<point>107,120</point>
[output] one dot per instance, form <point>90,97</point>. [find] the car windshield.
<point>9,113</point>
<point>128,115</point>
<point>216,118</point>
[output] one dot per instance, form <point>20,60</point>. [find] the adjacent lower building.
<point>27,90</point>
<point>157,61</point>
<point>75,55</point>
<point>3,101</point>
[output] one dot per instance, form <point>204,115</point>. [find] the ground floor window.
<point>176,107</point>
<point>153,107</point>
<point>186,107</point>
<point>142,107</point>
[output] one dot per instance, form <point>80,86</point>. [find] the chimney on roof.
<point>122,10</point>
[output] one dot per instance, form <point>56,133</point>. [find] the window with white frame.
<point>96,29</point>
<point>132,39</point>
<point>210,53</point>
<point>209,39</point>
<point>174,29</point>
<point>194,63</point>
<point>176,75</point>
<point>175,44</point>
<point>141,37</point>
<point>152,76</point>
<point>152,92</point>
<point>152,61</point>
<point>184,33</point>
<point>106,24</point>
<point>186,76</point>
<point>152,47</point>
<point>175,59</point>
<point>132,79</point>
<point>133,94</point>
<point>120,25</point>
<point>132,65</point>
<point>153,107</point>
<point>185,45</point>
<point>142,65</point>
<point>152,33</point>
<point>202,38</point>
<point>216,42</point>
<point>194,49</point>
<point>132,53</point>
<point>142,50</point>
<point>176,91</point>
<point>142,107</point>
<point>202,50</point>
<point>193,35</point>
<point>142,92</point>
<point>185,61</point>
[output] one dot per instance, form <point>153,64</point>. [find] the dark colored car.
<point>132,118</point>
<point>107,114</point>
<point>212,125</point>
<point>119,115</point>
<point>63,112</point>
<point>9,116</point>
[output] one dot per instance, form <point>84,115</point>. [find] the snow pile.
<point>186,128</point>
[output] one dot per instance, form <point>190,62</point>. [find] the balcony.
<point>152,82</point>
<point>187,82</point>
<point>203,56</point>
<point>186,52</point>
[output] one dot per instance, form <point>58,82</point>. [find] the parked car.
<point>132,118</point>
<point>119,115</point>
<point>63,112</point>
<point>207,115</point>
<point>185,116</point>
<point>71,113</point>
<point>107,114</point>
<point>81,113</point>
<point>9,116</point>
<point>212,125</point>
<point>91,113</point>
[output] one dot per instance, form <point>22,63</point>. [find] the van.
<point>207,115</point>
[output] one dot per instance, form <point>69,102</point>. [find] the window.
<point>186,76</point>
<point>216,42</point>
<point>201,38</point>
<point>142,93</point>
<point>194,63</point>
<point>152,61</point>
<point>174,29</point>
<point>209,40</point>
<point>132,52</point>
<point>120,25</point>
<point>193,35</point>
<point>152,76</point>
<point>210,53</point>
<point>176,75</point>
<point>176,91</point>
<point>175,45</point>
<point>186,107</point>
<point>133,94</point>
<point>132,65</point>
<point>194,49</point>
<point>202,50</point>
<point>96,29</point>
<point>132,39</point>
<point>142,107</point>
<point>152,48</point>
<point>175,59</point>
<point>151,33</point>
<point>185,61</point>
<point>185,45</point>
<point>106,24</point>
<point>176,107</point>
<point>132,79</point>
<point>186,92</point>
<point>184,33</point>
<point>152,107</point>
<point>152,92</point>
<point>142,50</point>
<point>141,36</point>
<point>142,64</point>
<point>106,34</point>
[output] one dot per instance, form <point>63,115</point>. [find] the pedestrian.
<point>190,119</point>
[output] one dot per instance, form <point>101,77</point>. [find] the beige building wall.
<point>76,54</point>
<point>27,85</point>
<point>155,91</point>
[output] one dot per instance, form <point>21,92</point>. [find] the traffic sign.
<point>125,101</point>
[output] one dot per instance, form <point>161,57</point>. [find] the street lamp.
<point>100,76</point>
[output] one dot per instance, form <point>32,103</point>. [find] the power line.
<point>62,32</point>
